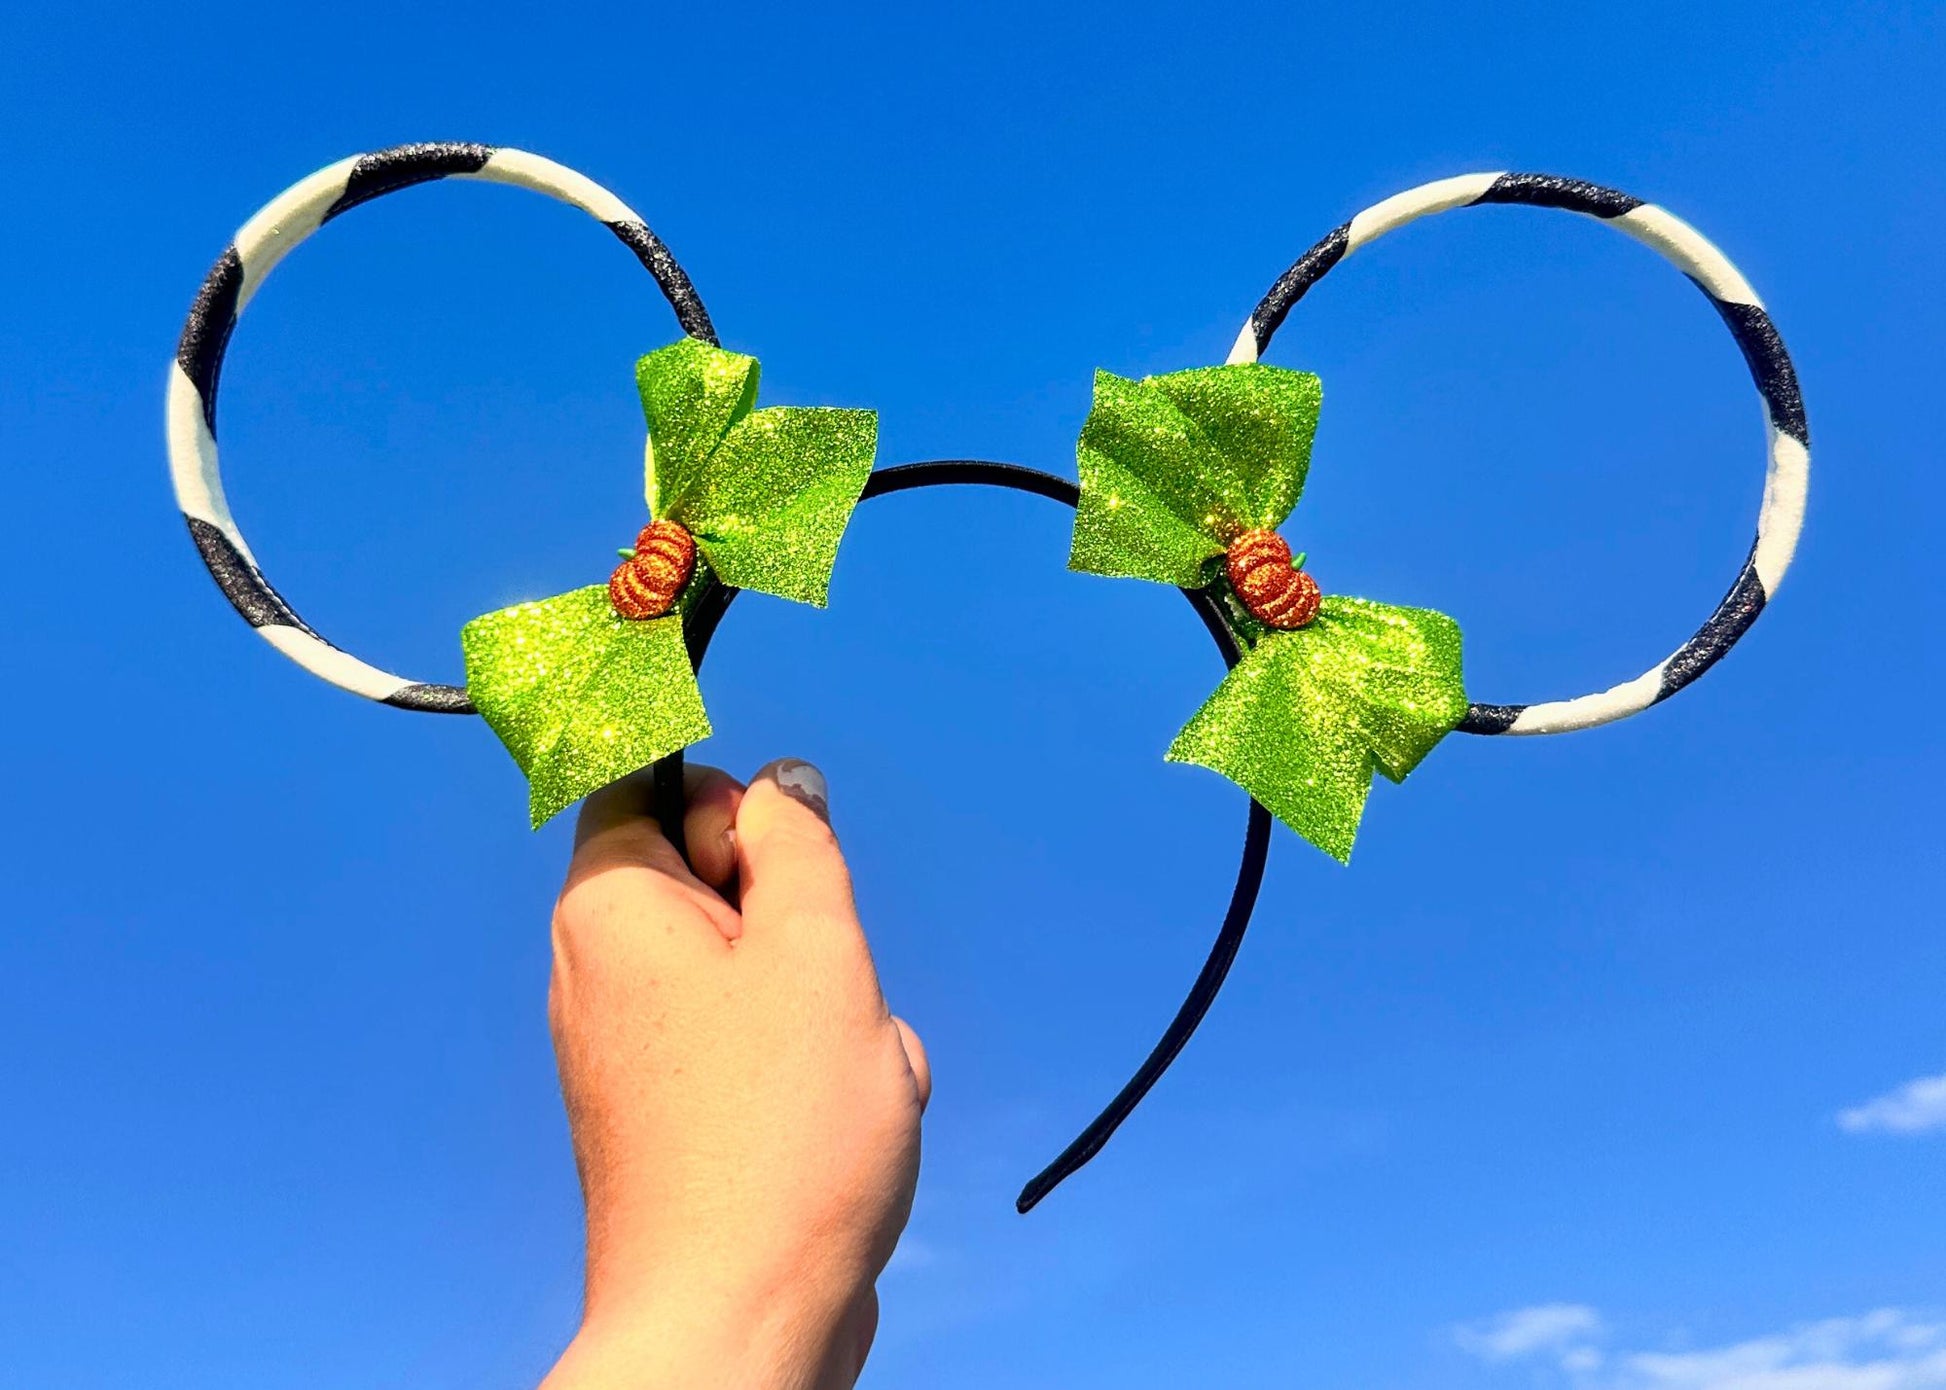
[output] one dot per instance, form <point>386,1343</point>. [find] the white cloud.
<point>1556,1328</point>
<point>1914,1108</point>
<point>1884,1350</point>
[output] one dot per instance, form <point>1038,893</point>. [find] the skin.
<point>744,1108</point>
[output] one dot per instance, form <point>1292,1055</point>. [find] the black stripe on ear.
<point>375,175</point>
<point>1291,286</point>
<point>199,352</point>
<point>656,258</point>
<point>1553,191</point>
<point>1489,719</point>
<point>431,699</point>
<point>1732,617</point>
<point>1770,364</point>
<point>248,592</point>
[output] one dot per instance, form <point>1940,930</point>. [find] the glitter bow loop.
<point>1184,479</point>
<point>590,685</point>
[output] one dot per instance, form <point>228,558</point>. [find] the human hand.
<point>744,1109</point>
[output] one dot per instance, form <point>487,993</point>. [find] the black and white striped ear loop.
<point>305,207</point>
<point>239,273</point>
<point>1787,438</point>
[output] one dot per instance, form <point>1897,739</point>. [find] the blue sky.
<point>1567,1080</point>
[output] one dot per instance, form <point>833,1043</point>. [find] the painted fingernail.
<point>801,781</point>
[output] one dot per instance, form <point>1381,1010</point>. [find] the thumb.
<point>794,884</point>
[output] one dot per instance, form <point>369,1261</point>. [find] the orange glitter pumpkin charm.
<point>1276,592</point>
<point>647,583</point>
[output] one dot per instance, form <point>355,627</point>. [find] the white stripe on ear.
<point>1693,253</point>
<point>1409,206</point>
<point>523,170</point>
<point>1617,702</point>
<point>286,220</point>
<point>1782,517</point>
<point>342,669</point>
<point>192,460</point>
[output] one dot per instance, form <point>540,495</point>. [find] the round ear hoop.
<point>1787,476</point>
<point>239,272</point>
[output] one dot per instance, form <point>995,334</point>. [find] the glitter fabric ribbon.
<point>581,694</point>
<point>1174,471</point>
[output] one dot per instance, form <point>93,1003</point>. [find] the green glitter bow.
<point>1173,470</point>
<point>581,695</point>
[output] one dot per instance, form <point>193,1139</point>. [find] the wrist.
<point>709,1333</point>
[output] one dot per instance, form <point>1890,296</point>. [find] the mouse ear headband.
<point>1185,480</point>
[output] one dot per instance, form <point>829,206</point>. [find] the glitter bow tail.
<point>1307,716</point>
<point>579,694</point>
<point>590,685</point>
<point>1183,479</point>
